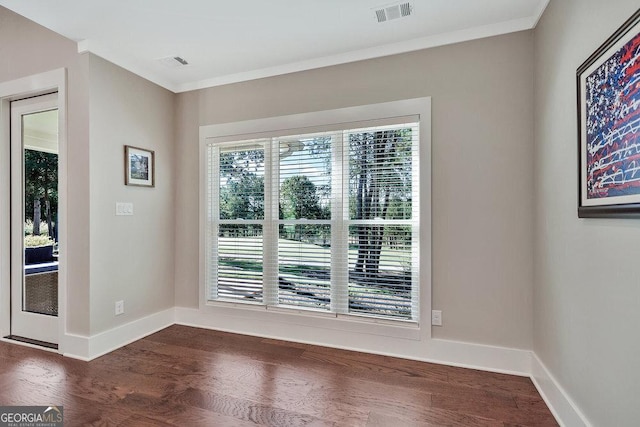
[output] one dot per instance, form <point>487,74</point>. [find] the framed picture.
<point>139,166</point>
<point>609,126</point>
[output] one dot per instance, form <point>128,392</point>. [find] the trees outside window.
<point>41,190</point>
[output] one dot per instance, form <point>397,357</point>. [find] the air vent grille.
<point>405,9</point>
<point>173,61</point>
<point>389,13</point>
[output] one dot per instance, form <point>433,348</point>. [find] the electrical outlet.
<point>436,317</point>
<point>119,308</point>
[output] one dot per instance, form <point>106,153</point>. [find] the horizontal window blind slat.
<point>304,262</point>
<point>380,266</point>
<point>376,124</point>
<point>239,258</point>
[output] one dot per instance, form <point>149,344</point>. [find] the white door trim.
<point>37,84</point>
<point>23,323</point>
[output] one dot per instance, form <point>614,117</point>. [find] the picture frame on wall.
<point>608,84</point>
<point>139,166</point>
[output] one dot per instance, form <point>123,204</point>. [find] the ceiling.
<point>231,41</point>
<point>40,131</point>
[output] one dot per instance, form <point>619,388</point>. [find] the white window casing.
<point>310,249</point>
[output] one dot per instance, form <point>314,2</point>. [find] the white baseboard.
<point>75,346</point>
<point>444,352</point>
<point>561,405</point>
<point>89,348</point>
<point>478,356</point>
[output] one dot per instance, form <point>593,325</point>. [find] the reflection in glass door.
<point>34,218</point>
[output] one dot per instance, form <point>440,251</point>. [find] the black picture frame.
<point>608,94</point>
<point>139,167</point>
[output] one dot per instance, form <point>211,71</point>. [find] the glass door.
<point>34,219</point>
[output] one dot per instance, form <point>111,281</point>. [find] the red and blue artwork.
<point>612,96</point>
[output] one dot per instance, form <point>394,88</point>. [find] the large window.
<point>325,221</point>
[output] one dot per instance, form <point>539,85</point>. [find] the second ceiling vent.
<point>389,13</point>
<point>173,61</point>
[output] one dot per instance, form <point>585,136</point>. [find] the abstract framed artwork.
<point>609,126</point>
<point>139,167</point>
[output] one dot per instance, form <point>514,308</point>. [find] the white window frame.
<point>418,109</point>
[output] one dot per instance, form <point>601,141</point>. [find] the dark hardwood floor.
<point>185,376</point>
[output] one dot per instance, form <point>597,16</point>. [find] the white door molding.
<point>37,84</point>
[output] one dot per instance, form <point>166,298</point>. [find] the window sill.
<point>297,318</point>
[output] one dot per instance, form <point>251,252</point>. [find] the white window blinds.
<point>237,213</point>
<point>381,210</point>
<point>304,194</point>
<point>322,221</point>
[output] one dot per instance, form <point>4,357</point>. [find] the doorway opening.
<point>34,220</point>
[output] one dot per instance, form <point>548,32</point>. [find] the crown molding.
<point>412,45</point>
<point>364,54</point>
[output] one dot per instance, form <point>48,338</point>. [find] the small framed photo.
<point>608,86</point>
<point>139,166</point>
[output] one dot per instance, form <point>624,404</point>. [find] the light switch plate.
<point>124,208</point>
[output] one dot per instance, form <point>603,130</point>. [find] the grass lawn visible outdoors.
<point>304,275</point>
<point>251,248</point>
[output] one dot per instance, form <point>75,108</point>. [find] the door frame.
<point>34,85</point>
<point>26,324</point>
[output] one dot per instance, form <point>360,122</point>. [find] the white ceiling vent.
<point>173,61</point>
<point>389,13</point>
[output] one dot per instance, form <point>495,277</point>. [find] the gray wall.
<point>131,256</point>
<point>110,258</point>
<point>587,284</point>
<point>482,170</point>
<point>26,49</point>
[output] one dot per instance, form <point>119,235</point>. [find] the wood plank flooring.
<point>184,376</point>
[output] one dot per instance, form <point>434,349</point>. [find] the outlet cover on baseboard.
<point>436,317</point>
